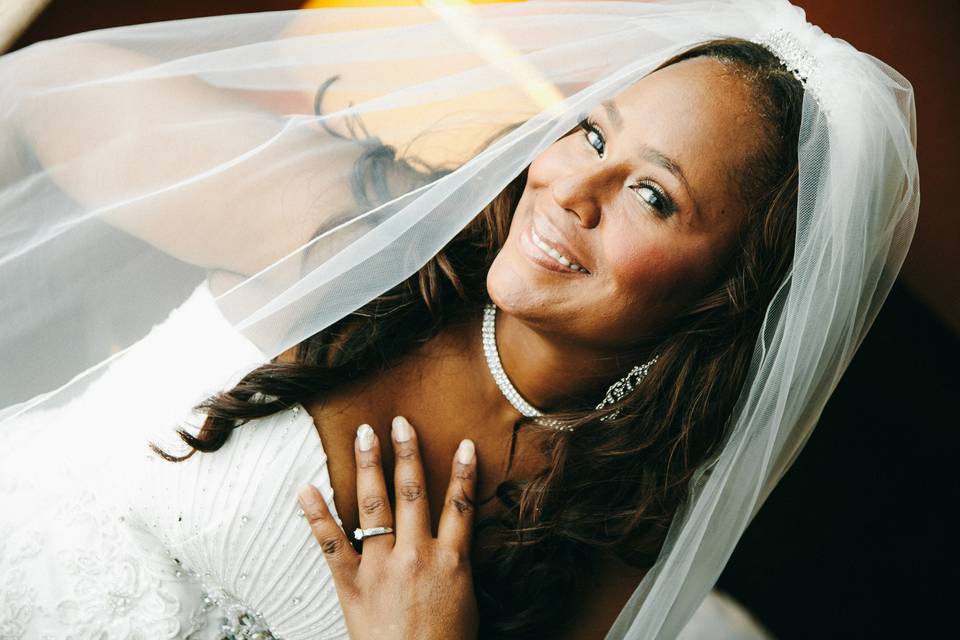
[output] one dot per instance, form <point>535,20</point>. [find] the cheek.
<point>657,276</point>
<point>553,162</point>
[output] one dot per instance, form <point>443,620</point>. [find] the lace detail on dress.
<point>82,578</point>
<point>15,605</point>
<point>16,597</point>
<point>18,544</point>
<point>112,589</point>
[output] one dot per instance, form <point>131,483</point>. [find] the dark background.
<point>853,541</point>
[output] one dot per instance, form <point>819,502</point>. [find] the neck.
<point>551,372</point>
<point>448,376</point>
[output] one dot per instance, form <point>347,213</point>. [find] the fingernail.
<point>365,437</point>
<point>306,497</point>
<point>401,429</point>
<point>465,452</point>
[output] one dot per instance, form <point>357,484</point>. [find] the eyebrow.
<point>613,114</point>
<point>648,153</point>
<point>652,155</point>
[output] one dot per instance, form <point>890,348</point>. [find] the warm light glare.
<point>321,4</point>
<point>487,45</point>
<point>494,50</point>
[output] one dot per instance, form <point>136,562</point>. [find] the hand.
<point>406,584</point>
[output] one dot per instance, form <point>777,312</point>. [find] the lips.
<point>553,253</point>
<point>545,237</point>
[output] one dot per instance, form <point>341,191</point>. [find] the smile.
<point>555,255</point>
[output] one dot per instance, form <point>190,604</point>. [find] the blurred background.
<point>853,542</point>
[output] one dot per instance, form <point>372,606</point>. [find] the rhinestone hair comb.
<point>795,57</point>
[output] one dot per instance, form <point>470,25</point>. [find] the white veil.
<point>133,159</point>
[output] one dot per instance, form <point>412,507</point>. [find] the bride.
<point>631,307</point>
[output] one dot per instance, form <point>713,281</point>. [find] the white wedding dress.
<point>100,538</point>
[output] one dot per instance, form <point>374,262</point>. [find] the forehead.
<point>700,113</point>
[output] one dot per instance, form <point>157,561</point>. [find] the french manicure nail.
<point>306,497</point>
<point>465,452</point>
<point>401,429</point>
<point>365,437</point>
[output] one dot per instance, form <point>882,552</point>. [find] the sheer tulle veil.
<point>133,158</point>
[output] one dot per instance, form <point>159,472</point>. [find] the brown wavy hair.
<point>610,486</point>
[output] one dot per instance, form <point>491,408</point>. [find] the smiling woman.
<point>633,300</point>
<point>691,283</point>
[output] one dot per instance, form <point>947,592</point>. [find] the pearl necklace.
<point>617,391</point>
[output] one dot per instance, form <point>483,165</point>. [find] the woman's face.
<point>645,206</point>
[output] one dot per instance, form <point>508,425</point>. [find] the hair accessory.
<point>617,391</point>
<point>795,57</point>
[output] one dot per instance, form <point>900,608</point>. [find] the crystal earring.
<point>622,387</point>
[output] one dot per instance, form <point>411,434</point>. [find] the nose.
<point>584,191</point>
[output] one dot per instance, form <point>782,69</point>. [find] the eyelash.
<point>666,208</point>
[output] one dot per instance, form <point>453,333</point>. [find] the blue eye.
<point>593,134</point>
<point>655,197</point>
<point>651,195</point>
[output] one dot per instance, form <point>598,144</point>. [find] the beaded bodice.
<point>230,522</point>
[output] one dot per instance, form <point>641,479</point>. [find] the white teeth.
<point>553,253</point>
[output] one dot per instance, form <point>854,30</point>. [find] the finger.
<point>372,499</point>
<point>341,558</point>
<point>456,521</point>
<point>413,511</point>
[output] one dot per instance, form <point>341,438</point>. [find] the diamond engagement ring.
<point>360,534</point>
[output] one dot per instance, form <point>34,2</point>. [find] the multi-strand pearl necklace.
<point>617,391</point>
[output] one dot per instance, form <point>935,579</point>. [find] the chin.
<point>506,287</point>
<point>517,291</point>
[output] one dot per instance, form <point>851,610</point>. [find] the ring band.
<point>360,534</point>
